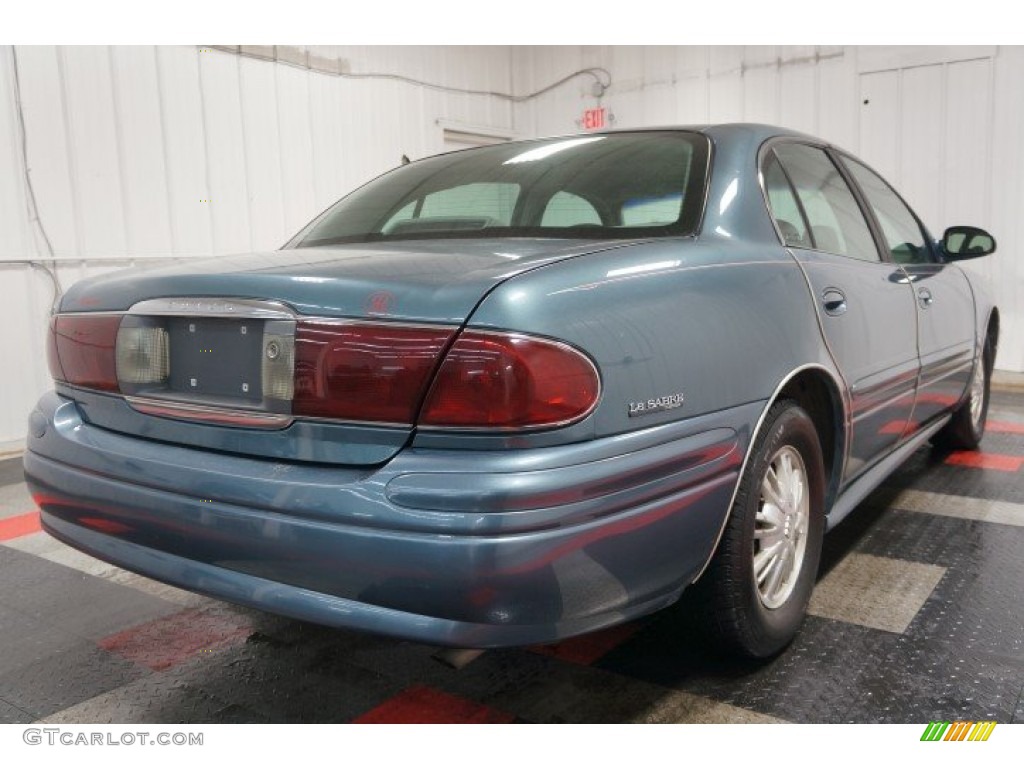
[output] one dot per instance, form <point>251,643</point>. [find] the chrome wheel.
<point>978,394</point>
<point>780,527</point>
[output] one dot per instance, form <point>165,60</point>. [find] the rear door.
<point>945,302</point>
<point>866,304</point>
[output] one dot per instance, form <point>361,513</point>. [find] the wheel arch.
<point>816,389</point>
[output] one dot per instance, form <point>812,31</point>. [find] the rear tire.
<point>967,426</point>
<point>754,595</point>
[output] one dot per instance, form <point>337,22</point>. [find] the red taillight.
<point>52,360</point>
<point>82,350</point>
<point>378,372</point>
<point>363,371</point>
<point>510,381</point>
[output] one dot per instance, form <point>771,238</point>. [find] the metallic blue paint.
<point>483,539</point>
<point>439,539</point>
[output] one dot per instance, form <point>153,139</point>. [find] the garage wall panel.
<point>798,98</point>
<point>761,95</point>
<point>967,125</point>
<point>1007,195</point>
<point>329,170</point>
<point>141,149</point>
<point>692,98</point>
<point>725,101</point>
<point>93,139</point>
<point>42,97</point>
<point>236,215</point>
<point>15,236</point>
<point>967,169</point>
<point>184,144</point>
<point>879,135</point>
<point>837,111</point>
<point>262,165</point>
<point>921,175</point>
<point>725,75</point>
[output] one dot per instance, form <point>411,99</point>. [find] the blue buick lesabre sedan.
<point>516,393</point>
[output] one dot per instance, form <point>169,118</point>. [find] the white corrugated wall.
<point>944,124</point>
<point>175,152</point>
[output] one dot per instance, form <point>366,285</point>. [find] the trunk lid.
<point>423,284</point>
<point>432,281</point>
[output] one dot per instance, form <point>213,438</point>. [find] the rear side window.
<point>784,206</point>
<point>903,236</point>
<point>837,224</point>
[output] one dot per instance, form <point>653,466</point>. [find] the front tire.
<point>967,426</point>
<point>757,587</point>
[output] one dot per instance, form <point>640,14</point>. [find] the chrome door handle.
<point>834,301</point>
<point>924,298</point>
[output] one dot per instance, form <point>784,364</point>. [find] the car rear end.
<point>291,479</point>
<point>337,433</point>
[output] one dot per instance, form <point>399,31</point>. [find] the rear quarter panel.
<point>723,324</point>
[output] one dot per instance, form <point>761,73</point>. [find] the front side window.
<point>903,235</point>
<point>622,185</point>
<point>836,222</point>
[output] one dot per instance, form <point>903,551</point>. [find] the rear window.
<point>626,185</point>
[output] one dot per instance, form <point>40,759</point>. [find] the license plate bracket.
<point>216,358</point>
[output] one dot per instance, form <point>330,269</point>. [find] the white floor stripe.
<point>879,592</point>
<point>15,500</point>
<point>682,707</point>
<point>968,508</point>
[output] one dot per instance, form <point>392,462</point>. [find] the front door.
<point>945,303</point>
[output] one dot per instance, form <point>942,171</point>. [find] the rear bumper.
<point>474,549</point>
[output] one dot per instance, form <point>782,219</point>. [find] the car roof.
<point>751,132</point>
<point>757,131</point>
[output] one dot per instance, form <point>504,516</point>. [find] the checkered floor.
<point>918,616</point>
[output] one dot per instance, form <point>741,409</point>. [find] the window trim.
<point>769,146</point>
<point>772,155</point>
<point>842,156</point>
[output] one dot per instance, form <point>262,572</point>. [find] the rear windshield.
<point>624,185</point>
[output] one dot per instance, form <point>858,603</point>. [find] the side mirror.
<point>960,243</point>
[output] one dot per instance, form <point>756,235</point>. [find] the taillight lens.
<point>358,371</point>
<point>510,381</point>
<point>362,371</point>
<point>83,350</point>
<point>52,359</point>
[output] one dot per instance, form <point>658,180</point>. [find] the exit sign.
<point>593,119</point>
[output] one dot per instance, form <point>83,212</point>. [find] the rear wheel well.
<point>815,391</point>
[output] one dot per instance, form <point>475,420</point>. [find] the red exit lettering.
<point>593,119</point>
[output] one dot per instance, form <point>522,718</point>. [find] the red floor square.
<point>586,649</point>
<point>171,640</point>
<point>420,704</point>
<point>19,525</point>
<point>983,460</point>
